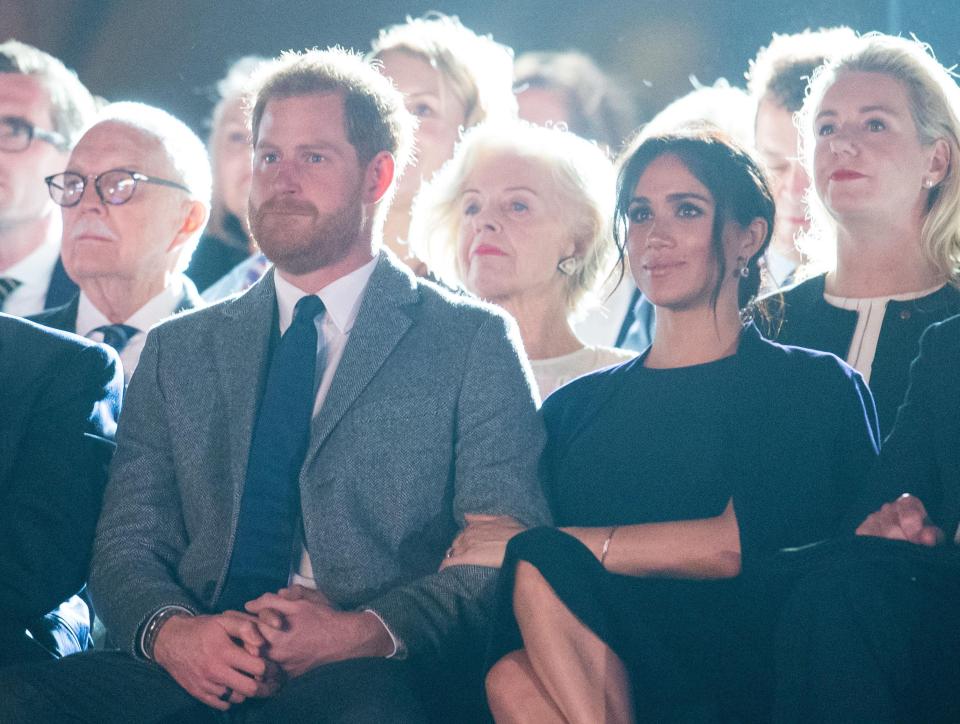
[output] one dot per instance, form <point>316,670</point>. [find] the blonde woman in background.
<point>451,79</point>
<point>521,217</point>
<point>880,133</point>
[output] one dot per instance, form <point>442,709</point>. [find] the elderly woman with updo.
<point>521,217</point>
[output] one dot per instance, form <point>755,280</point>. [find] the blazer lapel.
<point>381,323</point>
<point>241,347</point>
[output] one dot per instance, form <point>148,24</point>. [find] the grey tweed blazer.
<point>430,415</point>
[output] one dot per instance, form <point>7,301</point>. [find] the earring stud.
<point>568,265</point>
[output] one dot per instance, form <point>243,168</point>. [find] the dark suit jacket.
<point>59,401</point>
<point>803,318</point>
<point>430,415</point>
<point>922,454</point>
<point>64,317</point>
<point>61,289</point>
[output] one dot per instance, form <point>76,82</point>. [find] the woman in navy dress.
<point>677,479</point>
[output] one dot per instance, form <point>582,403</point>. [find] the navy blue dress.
<point>789,434</point>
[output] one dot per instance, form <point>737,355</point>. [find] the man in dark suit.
<point>135,198</point>
<point>43,108</point>
<point>59,397</point>
<point>872,633</point>
<point>293,463</point>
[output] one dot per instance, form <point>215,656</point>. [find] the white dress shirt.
<point>33,272</point>
<point>341,300</point>
<point>156,310</point>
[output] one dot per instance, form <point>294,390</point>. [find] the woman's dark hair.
<point>734,179</point>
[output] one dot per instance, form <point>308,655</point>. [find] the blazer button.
<point>904,314</point>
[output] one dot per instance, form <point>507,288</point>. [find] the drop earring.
<point>742,271</point>
<point>568,265</point>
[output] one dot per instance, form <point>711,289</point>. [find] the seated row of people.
<point>256,436</point>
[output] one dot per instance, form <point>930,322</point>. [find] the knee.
<point>505,683</point>
<point>529,584</point>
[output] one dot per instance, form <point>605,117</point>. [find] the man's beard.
<point>295,236</point>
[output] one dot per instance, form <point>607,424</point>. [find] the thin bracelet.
<point>606,545</point>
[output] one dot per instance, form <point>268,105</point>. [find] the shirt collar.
<point>156,309</point>
<point>341,297</point>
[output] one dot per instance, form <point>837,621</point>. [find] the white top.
<point>870,312</point>
<point>33,272</point>
<point>554,372</point>
<point>601,325</point>
<point>159,307</point>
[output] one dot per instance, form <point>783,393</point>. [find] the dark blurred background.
<point>171,52</point>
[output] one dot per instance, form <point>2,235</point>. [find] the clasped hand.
<point>227,658</point>
<point>483,541</point>
<point>903,519</point>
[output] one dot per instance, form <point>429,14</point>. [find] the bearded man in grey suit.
<point>279,558</point>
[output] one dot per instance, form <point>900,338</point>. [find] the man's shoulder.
<point>29,335</point>
<point>456,305</point>
<point>32,350</point>
<point>63,317</point>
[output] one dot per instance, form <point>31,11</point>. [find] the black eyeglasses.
<point>16,134</point>
<point>114,187</point>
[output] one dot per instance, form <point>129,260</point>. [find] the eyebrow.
<point>863,109</point>
<point>317,146</point>
<point>683,196</point>
<point>423,93</point>
<point>509,188</point>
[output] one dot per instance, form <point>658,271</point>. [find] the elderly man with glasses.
<point>43,108</point>
<point>135,197</point>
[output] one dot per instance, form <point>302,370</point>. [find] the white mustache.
<point>87,226</point>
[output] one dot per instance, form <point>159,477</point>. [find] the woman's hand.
<point>903,519</point>
<point>483,541</point>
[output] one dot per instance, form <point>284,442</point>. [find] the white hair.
<point>581,178</point>
<point>184,149</point>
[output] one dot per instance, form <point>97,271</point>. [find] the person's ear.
<point>195,218</point>
<point>751,238</point>
<point>378,176</point>
<point>939,163</point>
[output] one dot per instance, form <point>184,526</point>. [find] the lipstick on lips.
<point>845,174</point>
<point>488,250</point>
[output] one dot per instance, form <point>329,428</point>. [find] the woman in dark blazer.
<point>871,633</point>
<point>880,131</point>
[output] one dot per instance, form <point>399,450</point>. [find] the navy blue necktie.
<point>116,335</point>
<point>269,511</point>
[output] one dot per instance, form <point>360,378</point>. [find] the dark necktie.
<point>269,510</point>
<point>117,335</point>
<point>8,285</point>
